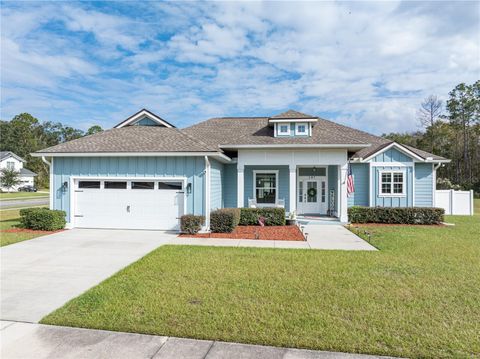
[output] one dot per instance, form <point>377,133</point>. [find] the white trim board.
<point>254,172</point>
<point>398,147</point>
<point>141,114</point>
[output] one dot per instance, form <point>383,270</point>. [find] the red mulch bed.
<point>25,230</point>
<point>277,233</point>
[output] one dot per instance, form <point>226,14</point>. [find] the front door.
<point>312,197</point>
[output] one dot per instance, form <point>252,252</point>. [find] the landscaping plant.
<point>273,216</point>
<point>42,219</point>
<point>403,215</point>
<point>191,223</point>
<point>224,220</point>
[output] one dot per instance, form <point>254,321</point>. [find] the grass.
<point>416,297</point>
<point>9,219</point>
<point>21,195</point>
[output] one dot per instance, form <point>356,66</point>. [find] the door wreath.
<point>312,192</point>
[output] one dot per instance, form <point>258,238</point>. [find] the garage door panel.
<point>129,208</point>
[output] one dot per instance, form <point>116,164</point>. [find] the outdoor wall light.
<point>65,186</point>
<point>189,188</point>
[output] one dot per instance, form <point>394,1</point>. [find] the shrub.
<point>224,220</point>
<point>42,219</point>
<point>273,216</point>
<point>191,224</point>
<point>401,215</point>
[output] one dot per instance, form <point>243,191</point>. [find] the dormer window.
<point>284,129</point>
<point>301,129</point>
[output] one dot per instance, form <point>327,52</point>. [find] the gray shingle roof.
<point>26,172</point>
<point>292,114</point>
<point>5,154</point>
<point>134,139</point>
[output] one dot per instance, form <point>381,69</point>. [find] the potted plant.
<point>292,219</point>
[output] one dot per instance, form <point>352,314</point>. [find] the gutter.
<point>346,145</point>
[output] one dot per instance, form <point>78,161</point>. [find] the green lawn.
<point>416,297</point>
<point>21,195</point>
<point>9,219</point>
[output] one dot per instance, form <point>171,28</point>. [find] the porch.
<point>314,192</point>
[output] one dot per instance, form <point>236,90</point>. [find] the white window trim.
<point>297,132</point>
<point>279,126</point>
<point>255,187</point>
<point>391,194</point>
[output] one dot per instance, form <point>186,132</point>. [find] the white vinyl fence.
<point>455,202</point>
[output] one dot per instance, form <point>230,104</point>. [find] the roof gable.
<point>292,114</point>
<point>148,118</point>
<point>7,154</point>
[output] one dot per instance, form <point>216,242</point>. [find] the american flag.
<point>350,184</point>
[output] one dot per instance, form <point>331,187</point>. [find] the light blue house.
<point>145,173</point>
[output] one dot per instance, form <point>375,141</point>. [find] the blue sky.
<point>364,64</point>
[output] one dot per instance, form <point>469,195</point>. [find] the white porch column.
<point>292,187</point>
<point>240,186</point>
<point>342,176</point>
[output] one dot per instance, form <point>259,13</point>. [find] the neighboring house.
<point>145,173</point>
<point>11,161</point>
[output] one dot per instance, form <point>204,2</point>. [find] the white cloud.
<point>189,61</point>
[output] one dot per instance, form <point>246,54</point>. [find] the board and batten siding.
<point>361,182</point>
<point>230,185</point>
<point>424,185</point>
<point>282,185</point>
<point>393,155</point>
<point>216,184</point>
<point>192,168</point>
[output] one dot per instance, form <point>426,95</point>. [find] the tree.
<point>429,114</point>
<point>463,114</point>
<point>9,178</point>
<point>93,130</point>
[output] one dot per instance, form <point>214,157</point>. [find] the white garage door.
<point>128,204</point>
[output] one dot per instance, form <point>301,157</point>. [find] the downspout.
<point>50,174</point>
<point>207,193</point>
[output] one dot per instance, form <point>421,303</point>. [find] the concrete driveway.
<point>40,275</point>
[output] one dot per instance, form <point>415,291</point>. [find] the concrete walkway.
<point>332,236</point>
<point>25,340</point>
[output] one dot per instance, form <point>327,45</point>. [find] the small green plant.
<point>42,219</point>
<point>400,215</point>
<point>272,216</point>
<point>224,220</point>
<point>191,223</point>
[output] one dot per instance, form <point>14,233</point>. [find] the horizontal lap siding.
<point>361,182</point>
<point>282,185</point>
<point>190,167</point>
<point>216,185</point>
<point>230,185</point>
<point>424,185</point>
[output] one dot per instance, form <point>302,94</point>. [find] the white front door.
<point>312,196</point>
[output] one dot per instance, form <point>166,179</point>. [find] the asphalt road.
<point>21,203</point>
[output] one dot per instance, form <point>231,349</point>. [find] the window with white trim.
<point>301,129</point>
<point>392,183</point>
<point>284,129</point>
<point>10,165</point>
<point>265,187</point>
